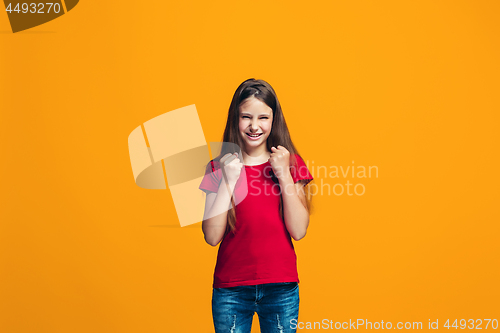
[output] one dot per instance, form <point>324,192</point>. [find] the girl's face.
<point>255,122</point>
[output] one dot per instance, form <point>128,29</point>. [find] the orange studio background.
<point>408,87</point>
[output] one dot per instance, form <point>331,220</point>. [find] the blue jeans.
<point>276,305</point>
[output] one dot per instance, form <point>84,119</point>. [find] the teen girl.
<point>255,204</point>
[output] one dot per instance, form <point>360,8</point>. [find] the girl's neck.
<point>256,156</point>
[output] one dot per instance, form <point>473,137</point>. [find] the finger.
<point>274,149</point>
<point>231,158</point>
<point>225,157</point>
<point>228,155</point>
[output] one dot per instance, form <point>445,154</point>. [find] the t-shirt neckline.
<point>256,165</point>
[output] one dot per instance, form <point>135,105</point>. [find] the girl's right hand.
<point>232,167</point>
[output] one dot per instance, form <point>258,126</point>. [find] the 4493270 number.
<point>472,324</point>
<point>34,8</point>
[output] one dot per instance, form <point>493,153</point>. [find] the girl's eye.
<point>263,118</point>
<point>246,117</point>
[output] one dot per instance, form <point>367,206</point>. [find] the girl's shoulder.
<point>214,165</point>
<point>297,160</point>
<point>299,170</point>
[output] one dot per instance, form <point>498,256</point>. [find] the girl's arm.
<point>294,207</point>
<point>215,216</point>
<point>295,210</point>
<point>217,204</point>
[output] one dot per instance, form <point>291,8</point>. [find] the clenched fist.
<point>231,167</point>
<point>280,161</point>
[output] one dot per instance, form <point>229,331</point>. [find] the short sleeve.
<point>299,171</point>
<point>212,178</point>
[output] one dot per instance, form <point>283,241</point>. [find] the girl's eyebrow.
<point>249,114</point>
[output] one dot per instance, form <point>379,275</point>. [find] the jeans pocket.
<point>230,290</point>
<point>286,286</point>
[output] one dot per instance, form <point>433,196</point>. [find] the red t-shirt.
<point>260,250</point>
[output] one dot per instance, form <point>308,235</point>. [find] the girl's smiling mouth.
<point>255,136</point>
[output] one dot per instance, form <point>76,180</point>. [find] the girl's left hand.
<point>280,161</point>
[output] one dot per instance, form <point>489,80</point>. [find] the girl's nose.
<point>254,126</point>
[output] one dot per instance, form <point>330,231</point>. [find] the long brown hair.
<point>279,135</point>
